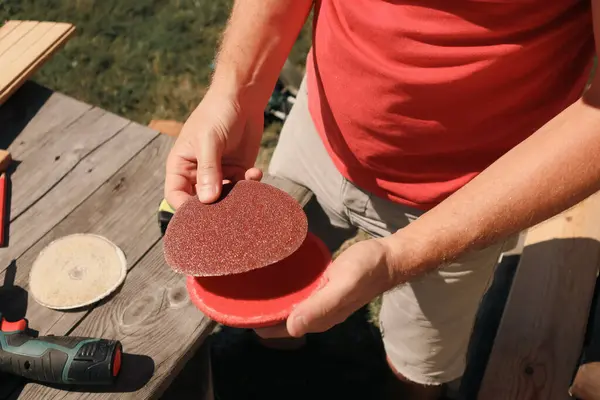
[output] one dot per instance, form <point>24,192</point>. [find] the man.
<point>442,128</point>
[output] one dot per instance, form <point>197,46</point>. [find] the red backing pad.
<point>254,224</point>
<point>266,296</point>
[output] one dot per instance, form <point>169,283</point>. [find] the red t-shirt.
<point>414,99</point>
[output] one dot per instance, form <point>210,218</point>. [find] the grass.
<point>142,59</point>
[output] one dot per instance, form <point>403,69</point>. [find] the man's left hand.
<point>357,276</point>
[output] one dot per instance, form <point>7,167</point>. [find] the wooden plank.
<point>31,122</point>
<point>15,35</point>
<point>153,317</point>
<point>31,113</point>
<point>168,127</point>
<point>8,27</point>
<point>123,209</point>
<point>541,333</point>
<point>46,161</point>
<point>24,47</point>
<point>77,185</point>
<point>30,61</point>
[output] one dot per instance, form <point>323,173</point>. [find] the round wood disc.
<point>76,270</point>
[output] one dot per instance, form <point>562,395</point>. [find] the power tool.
<point>165,213</point>
<point>57,359</point>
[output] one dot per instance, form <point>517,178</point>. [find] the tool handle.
<point>58,359</point>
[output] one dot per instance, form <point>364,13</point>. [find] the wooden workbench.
<point>82,169</point>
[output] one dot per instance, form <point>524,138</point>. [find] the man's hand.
<point>357,276</point>
<point>218,142</point>
<point>221,138</point>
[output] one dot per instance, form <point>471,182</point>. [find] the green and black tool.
<point>57,359</point>
<point>165,213</point>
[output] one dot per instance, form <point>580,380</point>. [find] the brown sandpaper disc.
<point>252,225</point>
<point>76,270</point>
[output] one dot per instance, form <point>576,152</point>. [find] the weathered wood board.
<point>24,47</point>
<point>58,169</point>
<point>151,314</point>
<point>541,333</point>
<point>81,169</point>
<point>123,209</point>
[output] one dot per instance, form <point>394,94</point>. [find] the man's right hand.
<point>219,141</point>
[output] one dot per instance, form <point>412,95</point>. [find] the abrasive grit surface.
<point>252,225</point>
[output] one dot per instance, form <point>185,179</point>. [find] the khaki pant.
<point>426,324</point>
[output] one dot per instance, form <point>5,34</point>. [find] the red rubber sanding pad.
<point>252,225</point>
<point>266,296</point>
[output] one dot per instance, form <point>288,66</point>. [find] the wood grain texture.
<point>33,112</point>
<point>541,334</point>
<point>123,210</point>
<point>47,160</point>
<point>49,139</point>
<point>14,35</point>
<point>24,48</point>
<point>8,27</point>
<point>29,69</point>
<point>121,203</point>
<point>153,317</point>
<point>72,189</point>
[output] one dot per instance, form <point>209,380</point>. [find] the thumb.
<point>209,174</point>
<point>324,309</point>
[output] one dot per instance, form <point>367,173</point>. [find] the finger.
<point>177,190</point>
<point>180,175</point>
<point>322,310</point>
<point>254,174</point>
<point>209,175</point>
<point>273,332</point>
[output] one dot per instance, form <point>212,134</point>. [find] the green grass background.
<point>142,59</point>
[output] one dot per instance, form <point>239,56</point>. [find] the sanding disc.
<point>266,296</point>
<point>252,225</point>
<point>76,271</point>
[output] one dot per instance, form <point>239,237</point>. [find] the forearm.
<point>256,43</point>
<point>554,169</point>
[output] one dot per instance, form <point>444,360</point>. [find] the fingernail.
<point>300,323</point>
<point>207,192</point>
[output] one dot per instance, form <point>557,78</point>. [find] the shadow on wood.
<point>586,385</point>
<point>542,331</point>
<point>13,299</point>
<point>22,106</point>
<point>486,325</point>
<point>195,380</point>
